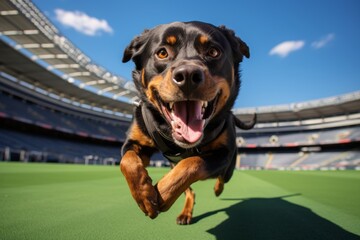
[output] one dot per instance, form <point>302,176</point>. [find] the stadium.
<point>58,106</point>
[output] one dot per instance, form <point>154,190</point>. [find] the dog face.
<point>188,72</point>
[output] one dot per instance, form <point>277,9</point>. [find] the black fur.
<point>142,50</point>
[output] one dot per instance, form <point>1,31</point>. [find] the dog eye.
<point>162,53</point>
<point>213,52</point>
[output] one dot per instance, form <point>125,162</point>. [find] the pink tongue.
<point>188,120</point>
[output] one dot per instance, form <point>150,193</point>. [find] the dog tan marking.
<point>163,86</point>
<point>186,214</point>
<point>219,186</point>
<point>217,143</point>
<point>171,40</point>
<point>136,134</point>
<point>153,87</point>
<point>203,39</point>
<point>173,184</point>
<point>223,86</point>
<point>143,82</point>
<point>140,183</point>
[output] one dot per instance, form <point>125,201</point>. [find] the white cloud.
<point>323,41</point>
<point>285,48</point>
<point>82,22</point>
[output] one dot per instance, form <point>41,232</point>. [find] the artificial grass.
<point>54,201</point>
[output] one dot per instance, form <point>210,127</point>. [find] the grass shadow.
<point>273,218</point>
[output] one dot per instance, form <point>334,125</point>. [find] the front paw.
<point>141,188</point>
<point>184,218</point>
<point>146,198</point>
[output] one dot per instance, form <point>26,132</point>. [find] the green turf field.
<point>45,201</point>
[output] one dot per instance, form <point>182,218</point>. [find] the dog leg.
<point>173,184</point>
<point>140,183</point>
<point>186,215</point>
<point>219,186</point>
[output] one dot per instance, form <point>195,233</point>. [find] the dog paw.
<point>219,188</point>
<point>184,219</point>
<point>146,198</point>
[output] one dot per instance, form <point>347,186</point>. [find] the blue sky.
<point>300,50</point>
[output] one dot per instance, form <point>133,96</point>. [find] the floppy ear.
<point>136,47</point>
<point>239,47</point>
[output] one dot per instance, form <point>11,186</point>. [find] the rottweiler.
<point>187,76</point>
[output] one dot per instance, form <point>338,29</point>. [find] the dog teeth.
<point>205,104</point>
<point>171,105</point>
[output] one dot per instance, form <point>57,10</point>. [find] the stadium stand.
<point>321,141</point>
<point>21,108</point>
<point>57,105</point>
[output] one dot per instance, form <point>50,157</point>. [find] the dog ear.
<point>135,48</point>
<point>238,46</point>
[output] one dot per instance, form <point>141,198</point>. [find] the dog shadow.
<point>273,218</point>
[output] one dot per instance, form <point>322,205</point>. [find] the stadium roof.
<point>316,109</point>
<point>33,51</point>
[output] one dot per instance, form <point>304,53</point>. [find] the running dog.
<point>187,76</point>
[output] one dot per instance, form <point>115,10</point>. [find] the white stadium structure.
<point>57,105</point>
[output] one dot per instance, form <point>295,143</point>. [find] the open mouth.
<point>188,118</point>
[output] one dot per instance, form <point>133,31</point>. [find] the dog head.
<point>188,72</point>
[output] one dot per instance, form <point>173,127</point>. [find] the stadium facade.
<point>57,105</point>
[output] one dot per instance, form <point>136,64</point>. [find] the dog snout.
<point>188,77</point>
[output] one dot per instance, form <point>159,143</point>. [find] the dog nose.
<point>188,77</point>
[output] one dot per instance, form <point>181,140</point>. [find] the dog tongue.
<point>187,120</point>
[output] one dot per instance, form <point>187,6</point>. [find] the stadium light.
<point>9,12</point>
<point>108,89</point>
<point>91,83</point>
<point>31,32</point>
<point>65,66</point>
<point>79,74</point>
<point>120,94</point>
